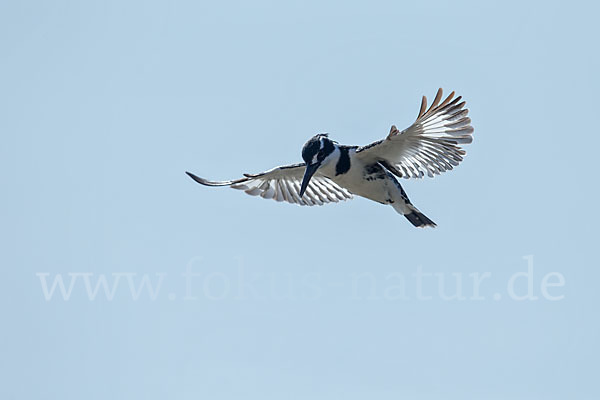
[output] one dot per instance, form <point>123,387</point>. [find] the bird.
<point>332,172</point>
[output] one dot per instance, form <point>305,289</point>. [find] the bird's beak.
<point>310,171</point>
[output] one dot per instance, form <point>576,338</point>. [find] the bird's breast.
<point>364,180</point>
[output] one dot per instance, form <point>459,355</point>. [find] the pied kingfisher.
<point>332,172</point>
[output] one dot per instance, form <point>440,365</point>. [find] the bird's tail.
<point>416,217</point>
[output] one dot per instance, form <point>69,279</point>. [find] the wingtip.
<point>206,182</point>
<point>196,178</point>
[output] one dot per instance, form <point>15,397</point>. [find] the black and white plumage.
<point>332,172</point>
<point>283,184</point>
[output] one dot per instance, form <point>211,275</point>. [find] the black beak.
<point>310,171</point>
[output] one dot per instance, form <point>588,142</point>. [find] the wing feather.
<point>430,145</point>
<point>283,184</point>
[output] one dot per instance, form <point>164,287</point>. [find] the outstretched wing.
<point>430,145</point>
<point>283,184</point>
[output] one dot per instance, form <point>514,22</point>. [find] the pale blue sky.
<point>104,105</point>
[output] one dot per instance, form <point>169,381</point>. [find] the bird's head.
<point>316,152</point>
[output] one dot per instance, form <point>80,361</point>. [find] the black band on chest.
<point>343,164</point>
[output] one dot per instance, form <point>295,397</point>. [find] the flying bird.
<point>332,172</point>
